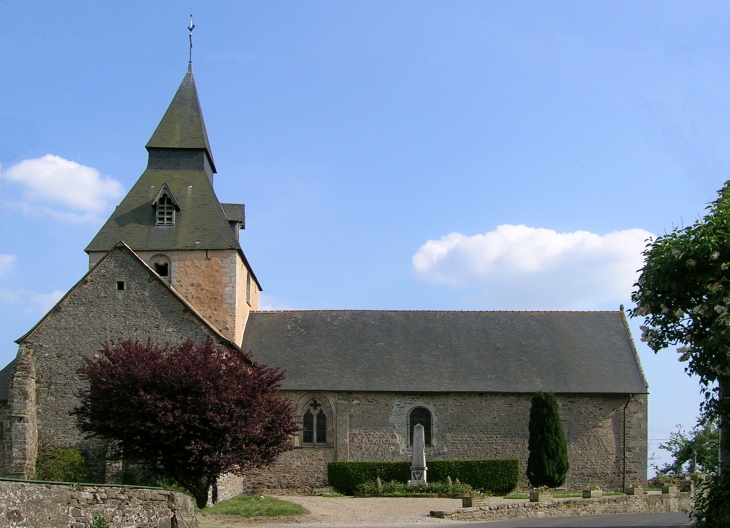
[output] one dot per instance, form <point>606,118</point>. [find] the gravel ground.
<point>347,511</point>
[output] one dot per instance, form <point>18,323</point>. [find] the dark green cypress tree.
<point>547,464</point>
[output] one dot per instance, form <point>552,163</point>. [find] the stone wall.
<point>94,312</point>
<point>678,503</point>
<point>22,443</point>
<point>373,426</point>
<point>35,505</point>
<point>214,282</point>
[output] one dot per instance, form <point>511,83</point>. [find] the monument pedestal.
<point>418,476</point>
<point>418,460</point>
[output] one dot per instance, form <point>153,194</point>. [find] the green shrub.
<point>345,476</point>
<point>99,522</point>
<point>496,476</point>
<point>547,464</point>
<point>62,464</point>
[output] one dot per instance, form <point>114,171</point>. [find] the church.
<point>168,265</point>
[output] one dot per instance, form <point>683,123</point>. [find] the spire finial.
<point>191,27</point>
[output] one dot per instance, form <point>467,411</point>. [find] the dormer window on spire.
<point>166,207</point>
<point>165,211</point>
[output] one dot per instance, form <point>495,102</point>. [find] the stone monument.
<point>418,460</point>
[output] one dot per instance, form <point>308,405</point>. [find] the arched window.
<point>314,424</point>
<point>420,415</point>
<point>162,266</point>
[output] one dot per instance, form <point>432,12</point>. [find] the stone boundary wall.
<point>49,505</point>
<point>681,502</point>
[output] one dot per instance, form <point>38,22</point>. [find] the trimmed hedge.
<point>346,476</point>
<point>499,477</point>
<point>496,476</point>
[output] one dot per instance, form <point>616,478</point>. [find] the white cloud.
<point>6,264</point>
<point>43,302</point>
<point>32,301</point>
<point>267,302</point>
<point>60,182</point>
<point>520,267</point>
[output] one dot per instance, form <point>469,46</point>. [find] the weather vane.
<point>191,27</point>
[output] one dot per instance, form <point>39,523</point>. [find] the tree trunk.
<point>201,496</point>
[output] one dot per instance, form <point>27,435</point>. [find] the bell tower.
<point>173,220</point>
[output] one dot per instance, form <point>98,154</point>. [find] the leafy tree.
<point>189,412</point>
<point>547,464</point>
<point>684,294</point>
<point>703,441</point>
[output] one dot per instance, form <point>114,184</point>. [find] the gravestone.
<point>418,460</point>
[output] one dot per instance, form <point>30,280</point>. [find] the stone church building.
<point>168,265</point>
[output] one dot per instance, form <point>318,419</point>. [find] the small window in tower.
<point>162,269</point>
<point>120,285</point>
<point>248,288</point>
<point>162,265</point>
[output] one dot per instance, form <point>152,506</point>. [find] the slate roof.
<point>201,222</point>
<point>448,351</point>
<point>182,126</point>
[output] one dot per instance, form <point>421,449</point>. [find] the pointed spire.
<point>182,126</point>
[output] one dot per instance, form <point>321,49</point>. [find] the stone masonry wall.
<point>95,312</point>
<point>373,426</point>
<point>22,443</point>
<point>213,281</point>
<point>35,505</point>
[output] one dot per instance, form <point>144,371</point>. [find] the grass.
<point>254,506</point>
<point>331,495</point>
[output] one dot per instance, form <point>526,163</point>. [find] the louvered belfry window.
<point>165,211</point>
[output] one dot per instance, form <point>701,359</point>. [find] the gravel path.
<point>347,511</point>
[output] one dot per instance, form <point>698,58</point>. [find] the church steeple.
<point>180,141</point>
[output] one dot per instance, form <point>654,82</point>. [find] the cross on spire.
<point>191,27</point>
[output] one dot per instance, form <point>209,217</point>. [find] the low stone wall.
<point>51,505</point>
<point>681,502</point>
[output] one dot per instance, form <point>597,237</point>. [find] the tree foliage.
<point>547,464</point>
<point>684,294</point>
<point>189,412</point>
<point>62,464</point>
<point>702,441</point>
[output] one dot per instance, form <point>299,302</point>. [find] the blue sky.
<point>391,155</point>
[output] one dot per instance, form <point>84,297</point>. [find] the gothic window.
<point>166,207</point>
<point>420,415</point>
<point>314,424</point>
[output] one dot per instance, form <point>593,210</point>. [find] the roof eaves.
<point>633,349</point>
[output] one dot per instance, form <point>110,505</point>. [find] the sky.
<point>391,155</point>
